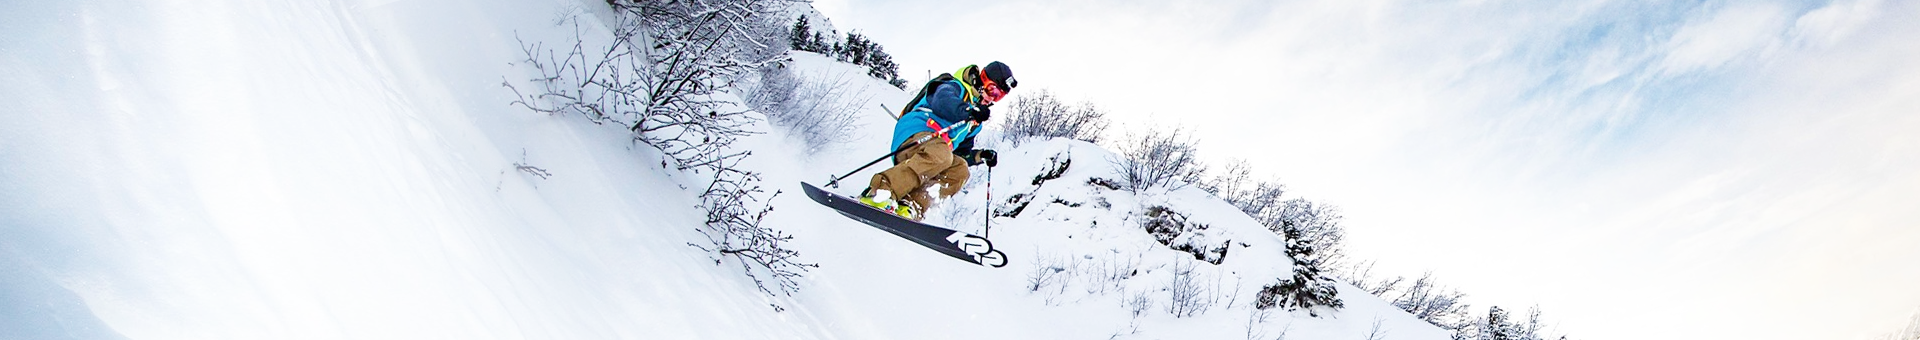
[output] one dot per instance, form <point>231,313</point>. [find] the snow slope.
<point>297,169</point>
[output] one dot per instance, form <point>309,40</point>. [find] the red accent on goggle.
<point>994,93</point>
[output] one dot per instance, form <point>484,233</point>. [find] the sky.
<point>1638,169</point>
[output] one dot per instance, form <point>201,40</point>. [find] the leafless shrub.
<point>1042,115</point>
<point>1315,240</point>
<point>661,76</point>
<point>1319,223</point>
<point>1050,277</point>
<point>733,229</point>
<point>1256,326</point>
<point>1138,302</point>
<point>1255,320</point>
<point>1425,299</point>
<point>1108,274</point>
<point>1316,224</point>
<point>1235,184</point>
<point>1233,296</point>
<point>1042,275</point>
<point>1185,294</point>
<point>1360,275</point>
<point>820,111</point>
<point>1156,158</point>
<point>1379,330</point>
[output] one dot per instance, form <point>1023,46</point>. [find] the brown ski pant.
<point>922,166</point>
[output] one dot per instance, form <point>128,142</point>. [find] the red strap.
<point>936,131</point>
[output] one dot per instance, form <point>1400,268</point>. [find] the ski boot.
<point>883,200</point>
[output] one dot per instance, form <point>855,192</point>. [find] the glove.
<point>979,113</point>
<point>988,157</point>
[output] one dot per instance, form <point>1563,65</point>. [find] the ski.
<point>959,245</point>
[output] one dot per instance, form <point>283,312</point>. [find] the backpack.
<point>925,90</point>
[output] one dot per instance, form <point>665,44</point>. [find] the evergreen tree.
<point>855,48</point>
<point>1309,288</point>
<point>881,66</point>
<point>797,38</point>
<point>856,51</point>
<point>1499,325</point>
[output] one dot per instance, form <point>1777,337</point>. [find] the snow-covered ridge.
<point>1083,262</point>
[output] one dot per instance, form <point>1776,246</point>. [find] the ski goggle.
<point>994,93</point>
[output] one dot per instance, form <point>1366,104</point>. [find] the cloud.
<point>1745,30</point>
<point>1824,26</point>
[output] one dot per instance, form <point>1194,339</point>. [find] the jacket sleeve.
<point>947,104</point>
<point>965,148</point>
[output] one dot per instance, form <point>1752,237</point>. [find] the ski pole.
<point>989,232</point>
<point>834,181</point>
<point>890,113</point>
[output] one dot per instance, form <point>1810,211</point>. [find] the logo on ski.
<point>978,247</point>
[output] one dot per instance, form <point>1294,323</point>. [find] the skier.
<point>963,97</point>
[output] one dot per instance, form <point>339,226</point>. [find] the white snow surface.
<point>264,169</point>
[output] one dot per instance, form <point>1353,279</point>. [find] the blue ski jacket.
<point>947,106</point>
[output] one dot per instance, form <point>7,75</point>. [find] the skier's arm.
<point>947,104</point>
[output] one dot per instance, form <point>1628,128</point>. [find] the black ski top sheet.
<point>959,245</point>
